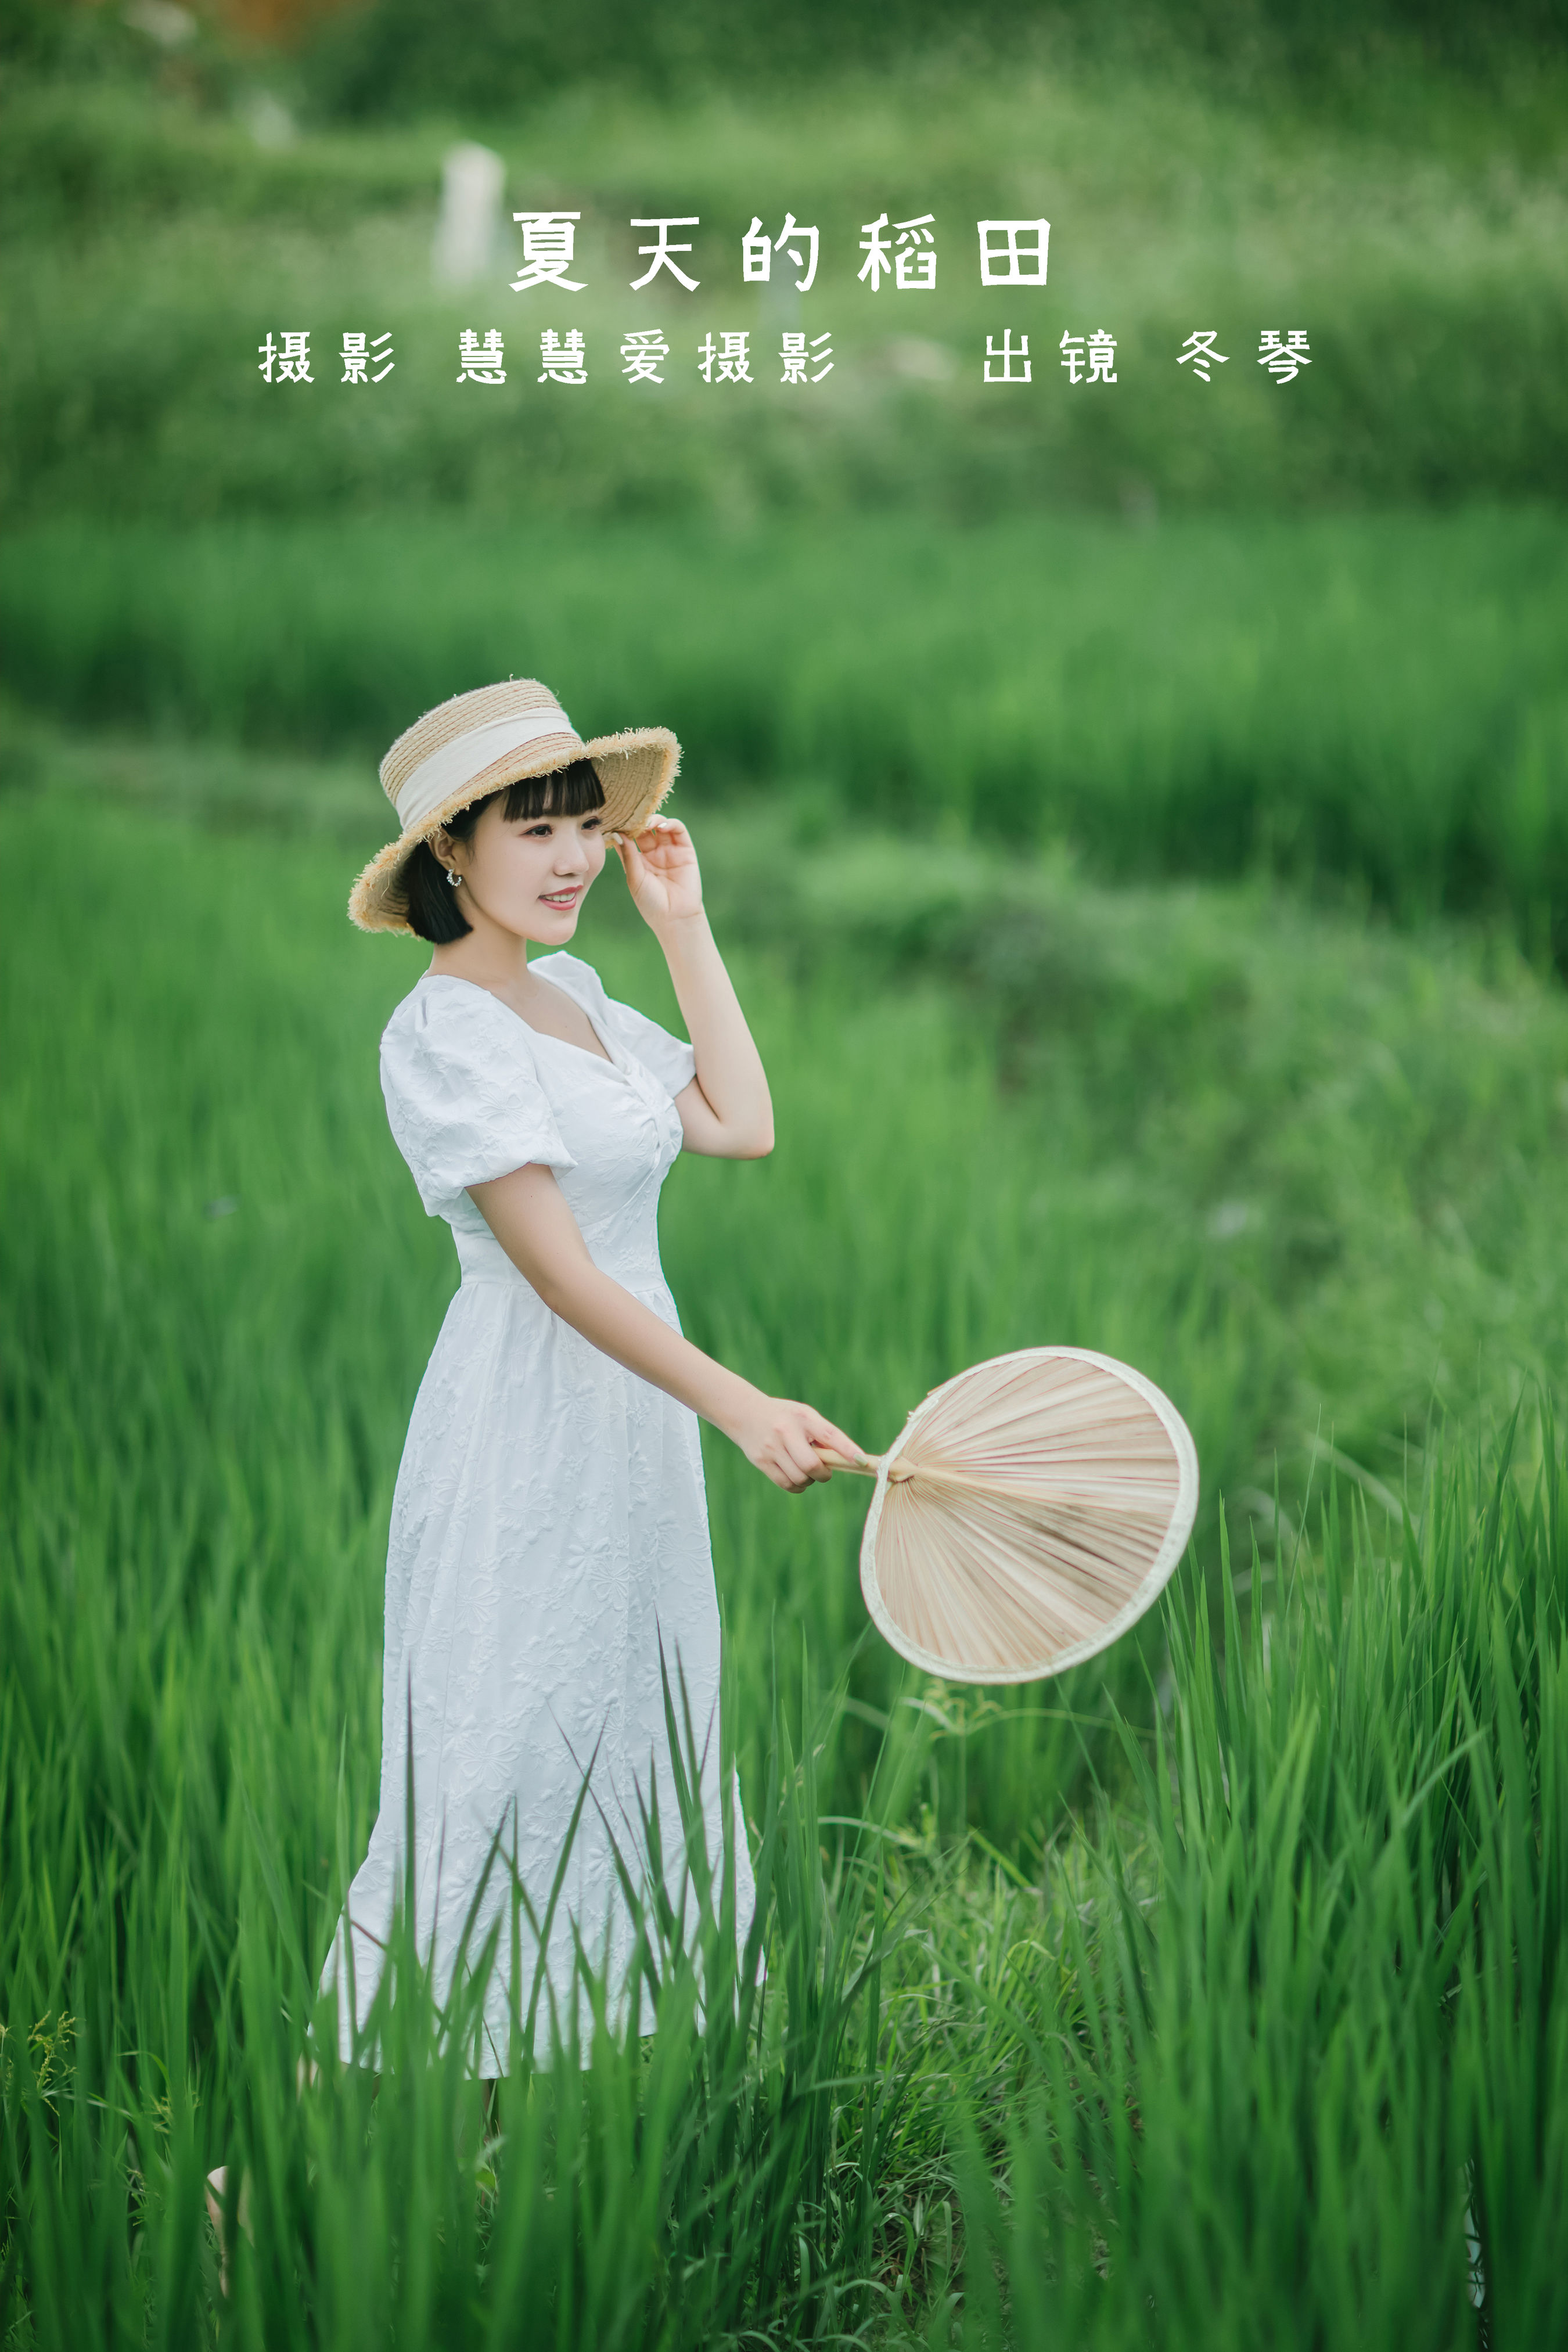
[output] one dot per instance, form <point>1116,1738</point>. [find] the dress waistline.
<point>632,1277</point>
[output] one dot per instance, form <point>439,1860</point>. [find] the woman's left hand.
<point>661,871</point>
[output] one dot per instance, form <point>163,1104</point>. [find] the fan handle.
<point>870,1467</point>
<point>867,1467</point>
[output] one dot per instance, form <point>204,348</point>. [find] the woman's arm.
<point>528,1215</point>
<point>726,1112</point>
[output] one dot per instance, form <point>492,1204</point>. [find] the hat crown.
<point>476,744</point>
<point>482,705</point>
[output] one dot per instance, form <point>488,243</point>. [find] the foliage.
<point>1303,1176</point>
<point>1211,1998</point>
<point>1377,701</point>
<point>400,57</point>
<point>1316,2097</point>
<point>1267,1997</point>
<point>1417,238</point>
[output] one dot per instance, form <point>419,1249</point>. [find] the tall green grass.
<point>1307,1178</point>
<point>1377,700</point>
<point>1274,2006</point>
<point>1313,2089</point>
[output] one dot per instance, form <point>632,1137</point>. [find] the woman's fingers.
<point>788,1445</point>
<point>827,1437</point>
<point>647,885</point>
<point>795,1465</point>
<point>805,1430</point>
<point>667,845</point>
<point>810,1436</point>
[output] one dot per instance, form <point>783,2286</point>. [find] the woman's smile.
<point>564,898</point>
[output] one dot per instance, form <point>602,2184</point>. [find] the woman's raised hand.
<point>781,1439</point>
<point>662,870</point>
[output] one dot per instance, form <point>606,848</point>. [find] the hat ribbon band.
<point>436,778</point>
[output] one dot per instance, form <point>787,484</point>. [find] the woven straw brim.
<point>636,770</point>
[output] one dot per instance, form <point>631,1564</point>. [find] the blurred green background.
<point>1138,818</point>
<point>1311,627</point>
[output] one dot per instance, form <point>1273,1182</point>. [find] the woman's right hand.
<point>528,1215</point>
<point>781,1438</point>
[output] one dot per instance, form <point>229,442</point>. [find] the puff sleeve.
<point>670,1059</point>
<point>463,1096</point>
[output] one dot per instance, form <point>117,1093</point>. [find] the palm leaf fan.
<point>1028,1513</point>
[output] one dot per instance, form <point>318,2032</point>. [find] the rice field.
<point>1138,828</point>
<point>1370,704</point>
<point>1410,224</point>
<point>1209,1997</point>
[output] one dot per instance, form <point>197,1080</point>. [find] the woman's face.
<point>526,875</point>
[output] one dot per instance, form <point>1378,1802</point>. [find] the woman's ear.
<point>442,846</point>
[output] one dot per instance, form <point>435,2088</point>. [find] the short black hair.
<point>431,904</point>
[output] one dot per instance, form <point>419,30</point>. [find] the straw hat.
<point>479,742</point>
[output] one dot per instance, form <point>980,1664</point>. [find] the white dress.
<point>550,1526</point>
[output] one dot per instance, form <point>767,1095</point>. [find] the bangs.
<point>572,791</point>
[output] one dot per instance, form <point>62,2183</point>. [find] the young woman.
<point>549,1540</point>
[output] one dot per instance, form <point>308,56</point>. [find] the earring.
<point>453,877</point>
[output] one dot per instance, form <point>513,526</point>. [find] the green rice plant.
<point>1370,703</point>
<point>1412,228</point>
<point>1230,1963</point>
<point>702,2172</point>
<point>1321,2041</point>
<point>1304,1177</point>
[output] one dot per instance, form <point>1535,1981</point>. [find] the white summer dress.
<point>550,1526</point>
